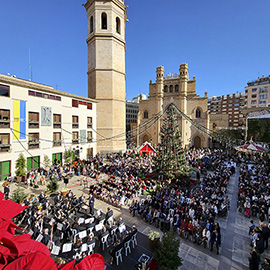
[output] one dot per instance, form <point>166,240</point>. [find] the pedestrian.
<point>254,260</point>
<point>6,191</point>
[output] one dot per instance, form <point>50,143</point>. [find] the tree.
<point>20,165</point>
<point>46,161</point>
<point>170,156</point>
<point>53,185</point>
<point>167,252</point>
<point>18,195</point>
<point>68,156</point>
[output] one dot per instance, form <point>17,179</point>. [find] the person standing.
<point>6,191</point>
<point>214,240</point>
<point>91,204</point>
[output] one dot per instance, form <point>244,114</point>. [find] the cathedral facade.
<point>181,91</point>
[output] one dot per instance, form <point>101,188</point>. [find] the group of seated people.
<point>191,213</point>
<point>254,190</point>
<point>68,231</point>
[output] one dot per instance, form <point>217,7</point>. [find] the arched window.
<point>118,25</point>
<point>91,24</point>
<point>198,113</point>
<point>104,21</point>
<point>177,88</point>
<point>165,88</point>
<point>171,88</point>
<point>145,114</point>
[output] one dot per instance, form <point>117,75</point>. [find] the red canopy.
<point>147,148</point>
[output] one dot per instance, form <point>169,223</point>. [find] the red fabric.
<point>92,262</point>
<point>9,209</point>
<point>32,261</point>
<point>153,264</point>
<point>26,245</point>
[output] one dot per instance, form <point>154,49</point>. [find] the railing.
<point>4,123</point>
<point>33,124</point>
<point>5,147</point>
<point>89,140</point>
<point>57,125</point>
<point>75,141</point>
<point>75,125</point>
<point>33,144</point>
<point>57,143</point>
<point>89,125</point>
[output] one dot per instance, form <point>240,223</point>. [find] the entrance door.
<point>197,142</point>
<point>89,153</point>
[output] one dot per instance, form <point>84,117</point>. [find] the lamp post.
<point>77,150</point>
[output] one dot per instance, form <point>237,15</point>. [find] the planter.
<point>153,243</point>
<point>19,179</point>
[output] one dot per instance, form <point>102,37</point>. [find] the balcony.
<point>89,125</point>
<point>33,144</point>
<point>57,143</point>
<point>75,125</point>
<point>56,124</point>
<point>33,124</point>
<point>4,147</point>
<point>75,141</point>
<point>89,140</point>
<point>4,123</point>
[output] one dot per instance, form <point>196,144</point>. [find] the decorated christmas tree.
<point>170,157</point>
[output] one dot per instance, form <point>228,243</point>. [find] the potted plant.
<point>153,237</point>
<point>167,253</point>
<point>20,166</point>
<point>18,195</point>
<point>53,185</point>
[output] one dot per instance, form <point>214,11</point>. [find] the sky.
<point>224,42</point>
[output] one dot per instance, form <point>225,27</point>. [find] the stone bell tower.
<point>106,70</point>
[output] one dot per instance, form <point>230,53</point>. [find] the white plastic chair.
<point>127,247</point>
<point>91,248</point>
<point>104,240</point>
<point>118,255</point>
<point>134,240</point>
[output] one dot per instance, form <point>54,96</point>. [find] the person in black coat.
<point>265,235</point>
<point>91,204</point>
<point>117,247</point>
<point>254,260</point>
<point>6,191</point>
<point>214,240</point>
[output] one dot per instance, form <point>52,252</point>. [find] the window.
<point>31,93</point>
<point>254,90</point>
<point>89,106</point>
<point>118,25</point>
<point>89,136</point>
<point>171,88</point>
<point>75,103</point>
<point>104,21</point>
<point>4,90</point>
<point>33,140</point>
<point>262,102</point>
<point>57,139</point>
<point>254,96</point>
<point>4,118</point>
<point>33,163</point>
<point>4,142</point>
<point>198,113</point>
<point>177,88</point>
<point>264,89</point>
<point>165,88</point>
<point>89,122</point>
<point>75,121</point>
<point>263,96</point>
<point>91,24</point>
<point>57,120</point>
<point>75,137</point>
<point>253,102</point>
<point>33,120</point>
<point>38,94</point>
<point>5,169</point>
<point>145,114</point>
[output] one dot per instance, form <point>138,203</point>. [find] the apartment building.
<point>38,120</point>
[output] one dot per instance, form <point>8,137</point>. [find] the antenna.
<point>30,68</point>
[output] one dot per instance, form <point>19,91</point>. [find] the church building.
<point>181,91</point>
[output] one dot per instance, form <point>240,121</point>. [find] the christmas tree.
<point>170,156</point>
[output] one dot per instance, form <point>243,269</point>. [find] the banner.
<point>19,119</point>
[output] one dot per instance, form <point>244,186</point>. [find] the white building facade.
<point>38,120</point>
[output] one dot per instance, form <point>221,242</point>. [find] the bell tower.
<point>106,21</point>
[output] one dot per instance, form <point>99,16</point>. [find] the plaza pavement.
<point>235,247</point>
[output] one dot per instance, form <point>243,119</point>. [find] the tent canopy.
<point>147,148</point>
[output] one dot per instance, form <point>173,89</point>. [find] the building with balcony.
<point>38,120</point>
<point>258,93</point>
